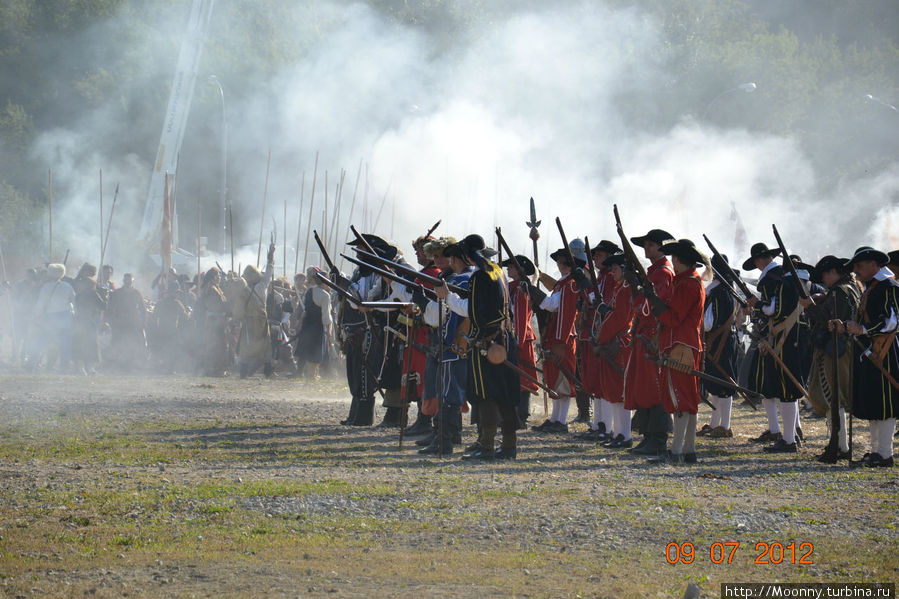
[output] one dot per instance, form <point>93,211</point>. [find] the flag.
<point>165,236</point>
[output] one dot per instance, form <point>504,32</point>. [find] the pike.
<point>296,257</point>
<point>353,203</point>
<point>109,225</point>
<point>311,204</point>
<point>534,233</point>
<point>788,263</point>
<point>268,165</point>
<point>411,272</point>
<point>730,271</point>
<point>100,266</point>
<point>231,232</point>
<point>50,196</point>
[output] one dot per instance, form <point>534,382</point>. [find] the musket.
<point>231,232</point>
<point>65,258</point>
<point>505,246</point>
<point>832,451</point>
<point>409,271</point>
<point>568,252</point>
<point>336,288</point>
<point>730,379</point>
<point>429,293</point>
<point>499,257</point>
<point>578,385</point>
<point>667,362</point>
<point>632,259</point>
<point>590,273</point>
<point>534,233</point>
<point>730,271</point>
<point>521,372</point>
<point>432,229</point>
<point>766,347</point>
<point>866,351</point>
<point>386,306</point>
<point>321,248</point>
<point>788,264</point>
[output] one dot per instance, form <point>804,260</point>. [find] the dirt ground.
<point>172,486</point>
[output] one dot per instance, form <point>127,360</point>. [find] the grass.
<point>83,493</point>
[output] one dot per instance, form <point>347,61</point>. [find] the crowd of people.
<point>633,349</point>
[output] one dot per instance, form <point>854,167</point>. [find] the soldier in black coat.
<point>776,317</point>
<point>875,398</point>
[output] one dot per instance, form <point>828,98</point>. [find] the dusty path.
<point>156,486</point>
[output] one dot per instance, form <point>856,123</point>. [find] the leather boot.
<point>365,415</point>
<point>354,407</point>
<point>583,407</point>
<point>422,425</point>
<point>391,418</point>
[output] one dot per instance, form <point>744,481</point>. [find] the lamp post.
<point>748,87</point>
<point>223,191</point>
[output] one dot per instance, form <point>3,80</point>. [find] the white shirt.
<point>55,297</point>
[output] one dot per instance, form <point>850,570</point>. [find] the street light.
<point>748,87</point>
<point>223,192</point>
<point>871,98</point>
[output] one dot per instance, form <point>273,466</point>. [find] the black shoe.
<point>354,408</point>
<point>591,434</point>
<point>780,446</point>
<point>878,461</point>
<point>476,446</point>
<point>419,429</point>
<point>434,449</point>
<point>391,418</point>
<point>767,437</point>
<point>506,454</point>
<point>651,448</point>
<point>558,428</point>
<point>484,456</point>
<point>426,440</point>
<point>542,426</point>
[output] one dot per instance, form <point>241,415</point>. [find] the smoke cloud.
<point>463,124</point>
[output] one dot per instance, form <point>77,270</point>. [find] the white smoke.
<point>466,127</point>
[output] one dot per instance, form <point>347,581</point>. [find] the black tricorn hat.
<point>658,235</point>
<point>894,256</point>
<point>759,250</point>
<point>525,263</point>
<point>617,258</point>
<point>562,254</point>
<point>609,247</point>
<point>825,264</point>
<point>373,240</point>
<point>686,252</point>
<point>868,253</point>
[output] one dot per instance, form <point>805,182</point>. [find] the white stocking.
<point>724,406</point>
<point>788,410</point>
<point>771,412</point>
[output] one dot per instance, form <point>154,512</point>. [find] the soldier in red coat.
<point>590,364</point>
<point>643,384</point>
<point>613,342</point>
<point>680,339</point>
<point>522,297</point>
<point>559,342</point>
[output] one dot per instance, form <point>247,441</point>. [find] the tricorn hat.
<point>759,250</point>
<point>524,261</point>
<point>617,258</point>
<point>606,246</point>
<point>659,236</point>
<point>686,252</point>
<point>894,256</point>
<point>373,240</point>
<point>868,253</point>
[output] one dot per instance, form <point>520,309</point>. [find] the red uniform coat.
<point>616,326</point>
<point>560,332</point>
<point>522,311</point>
<point>643,385</point>
<point>682,324</point>
<point>416,358</point>
<point>589,364</point>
